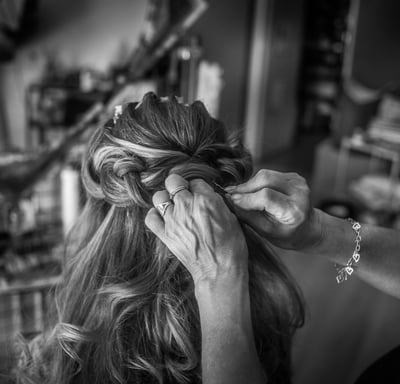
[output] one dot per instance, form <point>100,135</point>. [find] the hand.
<point>200,230</point>
<point>277,206</point>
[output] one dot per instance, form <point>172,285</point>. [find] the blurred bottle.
<point>70,197</point>
<point>184,67</point>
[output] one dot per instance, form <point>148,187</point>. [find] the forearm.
<point>379,263</point>
<point>228,349</point>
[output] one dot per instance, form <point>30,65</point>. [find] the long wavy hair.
<point>126,310</point>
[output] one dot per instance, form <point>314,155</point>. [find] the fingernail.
<point>236,197</point>
<point>230,188</point>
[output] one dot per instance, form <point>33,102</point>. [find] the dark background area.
<point>376,62</point>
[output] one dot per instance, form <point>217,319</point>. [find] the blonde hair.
<point>126,311</point>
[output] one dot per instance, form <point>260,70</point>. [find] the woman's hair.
<point>126,310</point>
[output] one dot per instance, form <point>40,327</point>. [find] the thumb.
<point>269,200</point>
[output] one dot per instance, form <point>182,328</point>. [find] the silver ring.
<point>162,207</point>
<point>176,190</point>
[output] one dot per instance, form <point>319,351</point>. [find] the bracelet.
<point>344,271</point>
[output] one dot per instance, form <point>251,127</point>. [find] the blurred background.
<point>314,85</point>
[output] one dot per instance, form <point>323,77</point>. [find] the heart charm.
<point>341,277</point>
<point>349,270</point>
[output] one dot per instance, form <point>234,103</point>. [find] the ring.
<point>176,190</point>
<point>162,207</point>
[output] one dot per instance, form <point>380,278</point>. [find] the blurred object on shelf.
<point>44,200</point>
<point>389,107</point>
<point>323,51</point>
<point>44,237</point>
<point>38,205</point>
<point>19,176</point>
<point>25,267</point>
<point>24,307</point>
<point>31,244</point>
<point>70,197</point>
<point>371,196</point>
<point>32,231</point>
<point>326,161</point>
<point>366,179</point>
<point>19,263</point>
<point>10,218</point>
<point>61,99</point>
<point>210,85</point>
<point>386,125</point>
<point>359,143</point>
<point>183,74</point>
<point>56,107</point>
<point>377,192</point>
<point>357,104</point>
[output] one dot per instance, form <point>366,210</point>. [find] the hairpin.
<point>117,113</point>
<point>221,191</point>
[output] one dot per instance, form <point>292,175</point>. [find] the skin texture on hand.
<point>277,206</point>
<point>200,230</point>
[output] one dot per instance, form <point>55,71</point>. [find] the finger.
<point>273,202</point>
<point>200,186</point>
<point>159,198</point>
<point>173,184</point>
<point>266,178</point>
<point>155,223</point>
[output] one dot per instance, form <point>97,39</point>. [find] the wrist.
<point>223,285</point>
<point>310,235</point>
<point>224,303</point>
<point>335,238</point>
<point>317,231</point>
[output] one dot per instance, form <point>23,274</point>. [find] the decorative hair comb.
<point>117,113</point>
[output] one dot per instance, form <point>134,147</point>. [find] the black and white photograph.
<point>199,192</point>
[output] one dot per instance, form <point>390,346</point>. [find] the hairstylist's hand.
<point>277,206</point>
<point>200,230</point>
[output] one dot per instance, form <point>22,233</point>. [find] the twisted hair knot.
<point>127,165</point>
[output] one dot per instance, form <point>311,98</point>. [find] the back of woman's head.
<point>126,308</point>
<point>130,159</point>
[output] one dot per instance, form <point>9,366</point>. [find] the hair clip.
<point>117,113</point>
